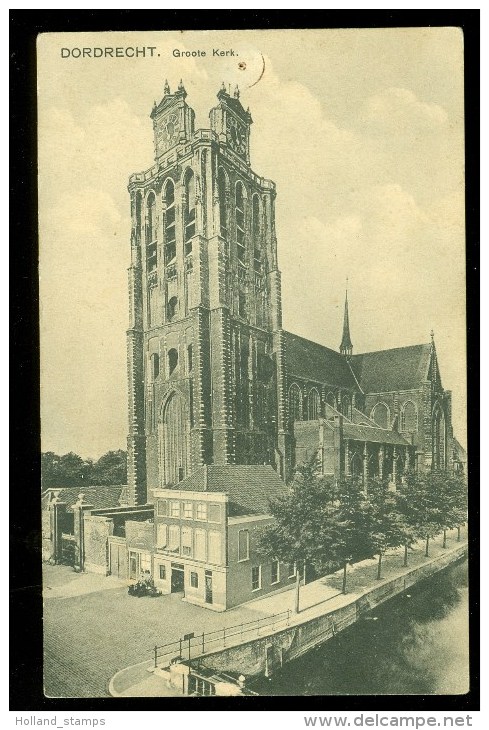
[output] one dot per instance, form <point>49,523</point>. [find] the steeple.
<point>346,347</point>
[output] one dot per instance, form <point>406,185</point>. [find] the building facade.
<point>214,379</point>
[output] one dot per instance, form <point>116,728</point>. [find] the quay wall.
<point>265,654</point>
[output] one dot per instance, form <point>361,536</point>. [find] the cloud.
<point>398,111</point>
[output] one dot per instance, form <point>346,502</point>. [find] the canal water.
<point>415,644</point>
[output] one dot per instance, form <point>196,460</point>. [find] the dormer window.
<point>170,245</point>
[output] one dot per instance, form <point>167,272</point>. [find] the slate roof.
<point>99,497</point>
<point>250,487</point>
<point>402,368</point>
<point>355,432</point>
<point>310,361</point>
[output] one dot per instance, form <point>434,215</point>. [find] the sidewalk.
<point>317,598</point>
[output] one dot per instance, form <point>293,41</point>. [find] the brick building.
<point>214,379</point>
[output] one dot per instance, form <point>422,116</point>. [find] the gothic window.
<point>439,438</point>
<point>189,358</point>
<point>409,417</point>
<point>138,214</point>
<point>172,308</point>
<point>151,235</point>
<point>330,400</point>
<point>153,304</point>
<point>172,360</point>
<point>240,223</point>
<point>381,415</point>
<point>189,210</point>
<point>222,187</point>
<point>255,226</point>
<point>346,406</point>
<point>295,403</point>
<point>313,405</point>
<point>174,440</point>
<point>170,246</point>
<point>155,365</point>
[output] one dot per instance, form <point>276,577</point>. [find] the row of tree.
<point>70,470</point>
<point>327,525</point>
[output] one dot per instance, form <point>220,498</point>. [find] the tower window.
<point>172,308</point>
<point>189,358</point>
<point>170,246</point>
<point>155,365</point>
<point>242,304</point>
<point>240,223</point>
<point>221,181</point>
<point>255,227</point>
<point>189,210</point>
<point>172,360</point>
<point>151,233</point>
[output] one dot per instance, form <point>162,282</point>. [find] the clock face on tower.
<point>236,135</point>
<point>167,131</point>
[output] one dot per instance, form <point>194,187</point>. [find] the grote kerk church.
<point>214,379</point>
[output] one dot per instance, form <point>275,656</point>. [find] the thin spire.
<point>346,347</point>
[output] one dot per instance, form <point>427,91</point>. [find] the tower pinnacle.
<point>346,347</point>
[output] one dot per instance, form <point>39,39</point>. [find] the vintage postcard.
<point>253,365</point>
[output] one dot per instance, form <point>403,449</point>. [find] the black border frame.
<point>25,569</point>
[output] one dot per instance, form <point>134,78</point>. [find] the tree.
<point>453,493</point>
<point>427,493</point>
<point>355,521</point>
<point>111,468</point>
<point>384,521</point>
<point>306,528</point>
<point>409,505</point>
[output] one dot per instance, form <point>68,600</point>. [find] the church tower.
<point>205,356</point>
<point>346,347</point>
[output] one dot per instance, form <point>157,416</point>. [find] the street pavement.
<point>93,628</point>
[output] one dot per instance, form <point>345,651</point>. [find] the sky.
<point>362,131</point>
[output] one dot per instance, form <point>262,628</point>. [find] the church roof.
<point>311,361</point>
<point>402,368</point>
<point>250,486</point>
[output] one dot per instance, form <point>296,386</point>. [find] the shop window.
<point>187,542</point>
<point>194,580</point>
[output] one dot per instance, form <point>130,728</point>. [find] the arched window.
<point>190,363</point>
<point>295,403</point>
<point>174,440</point>
<point>409,417</point>
<point>138,214</point>
<point>255,227</point>
<point>172,308</point>
<point>189,210</point>
<point>172,360</point>
<point>155,365</point>
<point>381,415</point>
<point>170,245</point>
<point>240,223</point>
<point>222,186</point>
<point>346,406</point>
<point>439,438</point>
<point>151,235</point>
<point>313,404</point>
<point>330,400</point>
